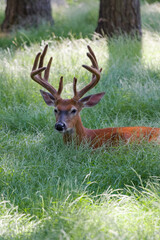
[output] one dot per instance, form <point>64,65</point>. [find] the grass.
<point>75,20</point>
<point>52,191</point>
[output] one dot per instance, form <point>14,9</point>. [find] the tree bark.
<point>119,17</point>
<point>26,13</point>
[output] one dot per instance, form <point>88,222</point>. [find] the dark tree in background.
<point>119,16</point>
<point>26,13</point>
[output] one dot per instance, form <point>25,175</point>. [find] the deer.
<point>67,111</point>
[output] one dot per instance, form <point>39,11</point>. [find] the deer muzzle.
<point>60,126</point>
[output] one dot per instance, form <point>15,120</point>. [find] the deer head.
<point>66,110</point>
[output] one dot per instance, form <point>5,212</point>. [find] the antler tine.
<point>93,55</point>
<point>42,57</point>
<point>36,74</point>
<point>46,73</point>
<point>36,61</point>
<point>96,74</point>
<point>75,87</point>
<point>60,86</point>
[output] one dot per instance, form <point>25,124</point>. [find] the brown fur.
<point>98,137</point>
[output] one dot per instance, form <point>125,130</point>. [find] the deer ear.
<point>48,98</point>
<point>91,100</point>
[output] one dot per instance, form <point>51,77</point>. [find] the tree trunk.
<point>119,16</point>
<point>26,13</point>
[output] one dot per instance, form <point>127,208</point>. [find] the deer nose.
<point>60,126</point>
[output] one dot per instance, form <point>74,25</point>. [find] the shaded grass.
<point>77,20</point>
<point>151,16</point>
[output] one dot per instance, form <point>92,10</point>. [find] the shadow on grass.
<point>152,22</point>
<point>151,17</point>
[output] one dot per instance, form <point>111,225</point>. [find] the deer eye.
<point>73,111</point>
<point>55,110</point>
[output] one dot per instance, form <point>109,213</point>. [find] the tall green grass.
<point>49,190</point>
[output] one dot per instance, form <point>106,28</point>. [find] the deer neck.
<point>78,133</point>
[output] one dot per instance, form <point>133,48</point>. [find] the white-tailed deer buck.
<point>67,111</point>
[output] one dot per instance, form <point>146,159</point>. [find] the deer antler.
<point>96,74</point>
<point>36,74</point>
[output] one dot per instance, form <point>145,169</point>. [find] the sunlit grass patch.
<point>113,215</point>
<point>14,225</point>
<point>117,216</point>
